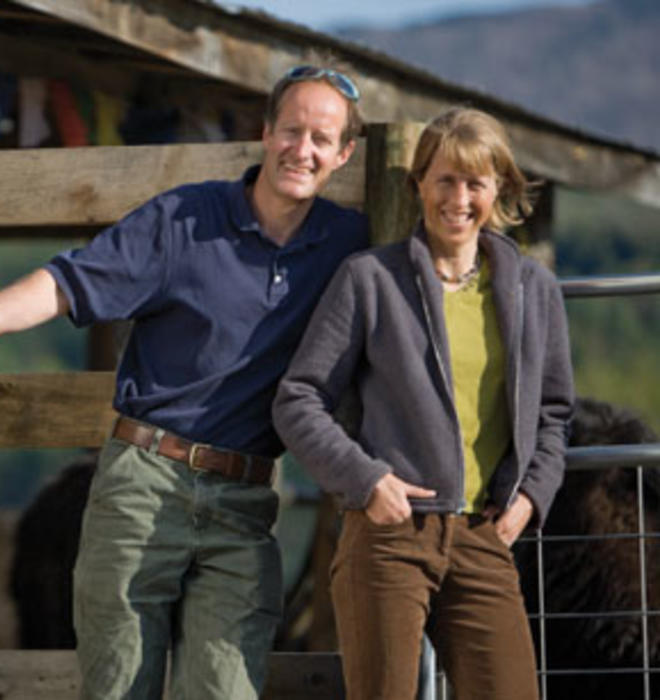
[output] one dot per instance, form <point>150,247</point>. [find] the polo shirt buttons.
<point>279,282</point>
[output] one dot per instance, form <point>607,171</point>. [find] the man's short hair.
<point>326,68</point>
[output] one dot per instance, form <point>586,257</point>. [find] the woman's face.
<point>456,204</point>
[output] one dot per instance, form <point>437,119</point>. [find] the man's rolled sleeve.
<point>122,269</point>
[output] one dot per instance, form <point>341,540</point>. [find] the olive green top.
<point>477,367</point>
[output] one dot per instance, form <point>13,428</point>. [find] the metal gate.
<point>638,457</point>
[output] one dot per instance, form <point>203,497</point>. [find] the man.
<point>220,278</point>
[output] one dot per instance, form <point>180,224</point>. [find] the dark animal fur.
<point>46,547</point>
<point>599,575</point>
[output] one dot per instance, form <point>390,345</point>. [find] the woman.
<point>459,349</point>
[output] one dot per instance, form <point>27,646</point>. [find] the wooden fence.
<point>53,675</point>
<point>65,192</point>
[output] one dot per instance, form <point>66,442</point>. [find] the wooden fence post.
<point>390,204</point>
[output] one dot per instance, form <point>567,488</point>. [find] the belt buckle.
<point>191,456</point>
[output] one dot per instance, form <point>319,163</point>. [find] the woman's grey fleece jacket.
<point>380,326</point>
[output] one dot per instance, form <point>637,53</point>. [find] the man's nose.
<point>303,145</point>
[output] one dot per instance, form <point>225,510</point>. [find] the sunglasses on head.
<point>342,82</point>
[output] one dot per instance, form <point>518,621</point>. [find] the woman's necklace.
<point>464,277</point>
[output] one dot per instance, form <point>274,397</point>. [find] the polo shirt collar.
<point>313,230</point>
<point>240,209</point>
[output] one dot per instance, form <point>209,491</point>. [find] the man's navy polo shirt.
<point>218,307</point>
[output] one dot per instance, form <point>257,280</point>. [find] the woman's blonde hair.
<point>475,142</point>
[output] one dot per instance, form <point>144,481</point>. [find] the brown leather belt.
<point>232,465</point>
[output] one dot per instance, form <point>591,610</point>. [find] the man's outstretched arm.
<point>29,301</point>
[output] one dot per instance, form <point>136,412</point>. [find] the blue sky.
<point>381,13</point>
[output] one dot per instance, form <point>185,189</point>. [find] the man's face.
<point>303,147</point>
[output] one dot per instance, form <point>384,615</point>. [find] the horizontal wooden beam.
<point>54,675</point>
<point>60,409</point>
<point>40,675</point>
<point>586,165</point>
<point>201,37</point>
<point>245,50</point>
<point>25,15</point>
<point>95,186</point>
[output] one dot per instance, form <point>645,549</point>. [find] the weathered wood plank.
<point>61,409</point>
<point>249,51</point>
<point>584,164</point>
<point>95,186</point>
<point>54,675</point>
<point>200,37</point>
<point>40,675</point>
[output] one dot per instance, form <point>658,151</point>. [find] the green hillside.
<point>616,342</point>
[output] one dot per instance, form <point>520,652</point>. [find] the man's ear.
<point>345,152</point>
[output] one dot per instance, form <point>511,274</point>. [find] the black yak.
<point>599,575</point>
<point>46,545</point>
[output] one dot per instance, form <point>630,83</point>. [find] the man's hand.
<point>513,520</point>
<point>389,503</point>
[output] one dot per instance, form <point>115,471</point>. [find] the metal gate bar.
<point>603,457</point>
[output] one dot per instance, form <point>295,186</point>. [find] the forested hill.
<point>596,66</point>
